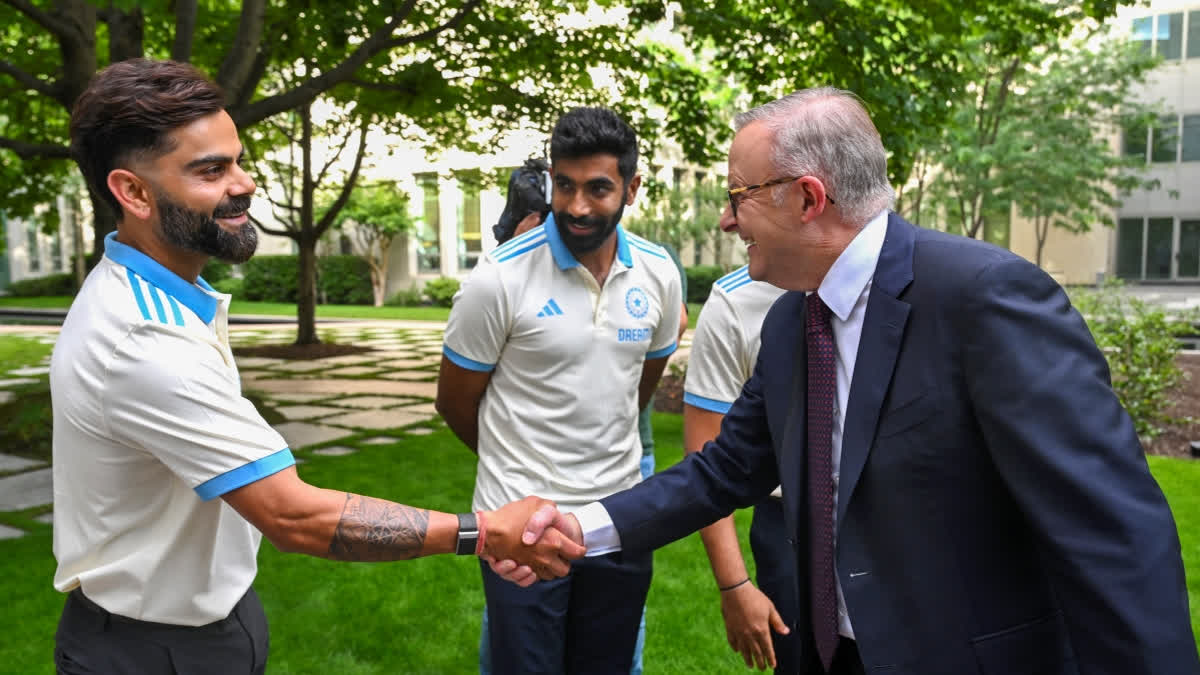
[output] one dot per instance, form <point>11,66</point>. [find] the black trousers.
<point>775,562</point>
<point>585,623</point>
<point>91,640</point>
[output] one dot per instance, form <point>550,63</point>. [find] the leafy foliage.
<point>344,280</point>
<point>375,215</point>
<point>411,297</point>
<point>232,286</point>
<point>1139,341</point>
<point>441,290</point>
<point>53,284</point>
<point>680,216</point>
<point>270,277</point>
<point>700,280</point>
<point>216,271</point>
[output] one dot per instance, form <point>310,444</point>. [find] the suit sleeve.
<point>1078,472</point>
<point>734,471</point>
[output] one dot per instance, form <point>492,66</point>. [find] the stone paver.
<point>24,490</point>
<point>14,463</point>
<point>420,431</point>
<point>298,398</point>
<point>30,371</point>
<point>47,518</point>
<point>7,532</point>
<point>301,434</point>
<point>16,382</point>
<point>305,412</point>
<point>381,440</point>
<point>410,375</point>
<point>339,387</point>
<point>408,363</point>
<point>377,419</point>
<point>422,408</point>
<point>350,359</point>
<point>257,362</point>
<point>370,402</point>
<point>335,451</point>
<point>351,370</point>
<point>302,366</point>
<point>6,396</point>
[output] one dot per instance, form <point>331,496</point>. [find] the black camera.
<point>528,192</point>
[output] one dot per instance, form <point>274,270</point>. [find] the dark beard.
<point>580,244</point>
<point>199,232</point>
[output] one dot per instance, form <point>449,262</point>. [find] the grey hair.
<point>826,132</point>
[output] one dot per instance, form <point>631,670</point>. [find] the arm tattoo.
<point>374,530</point>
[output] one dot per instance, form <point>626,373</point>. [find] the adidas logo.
<point>550,309</point>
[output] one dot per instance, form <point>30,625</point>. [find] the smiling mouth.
<point>237,218</point>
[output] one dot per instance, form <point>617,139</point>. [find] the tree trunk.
<point>103,222</point>
<point>306,293</point>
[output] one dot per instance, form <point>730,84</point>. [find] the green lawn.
<point>423,616</point>
<point>271,309</point>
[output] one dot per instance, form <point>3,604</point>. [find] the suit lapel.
<point>878,349</point>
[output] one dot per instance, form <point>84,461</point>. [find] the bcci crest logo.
<point>637,303</point>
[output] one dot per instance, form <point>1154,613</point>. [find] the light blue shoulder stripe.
<point>518,241</point>
<point>646,247</point>
<point>137,293</point>
<point>709,404</point>
<point>158,306</point>
<point>734,276</point>
<point>175,311</point>
<point>665,351</point>
<point>734,287</point>
<point>465,362</point>
<point>245,474</point>
<point>513,254</point>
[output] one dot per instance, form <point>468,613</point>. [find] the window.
<point>1189,249</point>
<point>1133,141</point>
<point>1165,140</point>
<point>428,251</point>
<point>33,251</point>
<point>470,243</point>
<point>1129,248</point>
<point>1193,34</point>
<point>1191,138</point>
<point>1143,32</point>
<point>1159,235</point>
<point>1168,39</point>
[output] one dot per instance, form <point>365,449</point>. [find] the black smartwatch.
<point>468,534</point>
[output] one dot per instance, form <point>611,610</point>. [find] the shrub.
<point>271,278</point>
<point>344,280</point>
<point>441,290</point>
<point>216,270</point>
<point>409,298</point>
<point>54,284</point>
<point>1139,341</point>
<point>700,280</point>
<point>231,286</point>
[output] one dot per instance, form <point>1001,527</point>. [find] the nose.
<point>578,205</point>
<point>727,223</point>
<point>243,183</point>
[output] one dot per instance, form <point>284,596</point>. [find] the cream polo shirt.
<point>559,416</point>
<point>150,428</point>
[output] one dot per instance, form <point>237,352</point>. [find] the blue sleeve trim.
<point>706,403</point>
<point>464,362</point>
<point>245,474</point>
<point>665,351</point>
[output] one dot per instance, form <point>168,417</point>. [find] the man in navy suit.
<point>992,511</point>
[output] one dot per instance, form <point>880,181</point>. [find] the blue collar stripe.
<point>137,293</point>
<point>191,295</point>
<point>158,306</point>
<point>175,311</point>
<point>709,404</point>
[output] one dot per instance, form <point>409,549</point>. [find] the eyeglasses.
<point>737,194</point>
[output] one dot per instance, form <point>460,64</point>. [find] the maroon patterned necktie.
<point>822,387</point>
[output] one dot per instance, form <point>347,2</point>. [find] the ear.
<point>631,191</point>
<point>132,193</point>
<point>810,192</point>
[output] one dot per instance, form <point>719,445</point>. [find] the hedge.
<point>700,280</point>
<point>341,279</point>
<point>271,278</point>
<point>344,280</point>
<point>53,284</point>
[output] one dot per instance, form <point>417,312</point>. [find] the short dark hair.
<point>127,112</point>
<point>583,132</point>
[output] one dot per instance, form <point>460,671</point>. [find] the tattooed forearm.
<point>374,530</point>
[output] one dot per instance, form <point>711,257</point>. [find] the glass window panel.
<point>1168,39</point>
<point>470,242</point>
<point>1193,34</point>
<point>34,253</point>
<point>1191,138</point>
<point>1159,236</point>
<point>428,252</point>
<point>1189,248</point>
<point>1133,140</point>
<point>1165,140</point>
<point>1143,32</point>
<point>1129,248</point>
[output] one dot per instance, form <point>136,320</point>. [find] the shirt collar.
<point>853,269</point>
<point>563,257</point>
<point>195,296</point>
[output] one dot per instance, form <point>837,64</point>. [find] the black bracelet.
<point>730,588</point>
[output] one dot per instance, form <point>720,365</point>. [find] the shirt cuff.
<point>599,534</point>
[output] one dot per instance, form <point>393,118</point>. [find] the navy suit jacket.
<point>995,513</point>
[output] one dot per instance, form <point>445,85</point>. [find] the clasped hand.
<point>530,539</point>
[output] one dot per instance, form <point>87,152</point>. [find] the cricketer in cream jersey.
<point>559,416</point>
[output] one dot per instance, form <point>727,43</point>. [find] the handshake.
<point>530,539</point>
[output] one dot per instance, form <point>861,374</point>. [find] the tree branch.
<point>270,230</point>
<point>453,22</point>
<point>59,29</point>
<point>26,150</point>
<point>185,30</point>
<point>239,62</point>
<point>31,82</point>
<point>347,187</point>
<point>302,94</point>
<point>333,158</point>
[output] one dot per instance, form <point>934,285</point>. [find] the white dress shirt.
<point>845,290</point>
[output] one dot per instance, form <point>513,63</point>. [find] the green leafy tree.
<point>375,215</point>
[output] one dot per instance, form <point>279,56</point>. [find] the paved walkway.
<point>330,406</point>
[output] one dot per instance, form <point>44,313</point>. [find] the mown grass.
<point>269,309</point>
